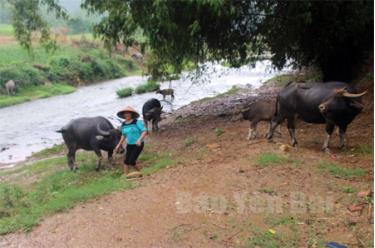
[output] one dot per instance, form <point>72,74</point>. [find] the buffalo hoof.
<point>278,133</point>
<point>97,168</point>
<point>326,150</point>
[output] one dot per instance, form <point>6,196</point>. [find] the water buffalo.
<point>332,103</point>
<point>165,92</point>
<point>10,86</point>
<point>91,134</point>
<point>262,110</point>
<point>151,111</point>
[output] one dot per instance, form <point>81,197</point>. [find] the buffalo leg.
<point>276,121</point>
<point>292,130</point>
<point>342,132</point>
<point>71,159</point>
<point>252,130</point>
<point>172,95</point>
<point>110,153</point>
<point>146,124</point>
<point>329,130</point>
<point>100,158</point>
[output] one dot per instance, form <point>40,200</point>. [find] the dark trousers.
<point>132,153</point>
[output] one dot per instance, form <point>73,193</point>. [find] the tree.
<point>334,35</point>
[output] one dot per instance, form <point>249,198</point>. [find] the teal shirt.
<point>132,131</point>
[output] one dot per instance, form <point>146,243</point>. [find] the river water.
<point>31,126</point>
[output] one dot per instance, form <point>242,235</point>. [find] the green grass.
<point>270,159</point>
<point>340,171</point>
<point>218,131</point>
<point>268,191</point>
<point>233,90</point>
<point>285,220</point>
<point>22,205</point>
<point>348,189</point>
<point>15,54</point>
<point>264,238</point>
<point>35,92</point>
<point>32,192</point>
<point>363,150</point>
<point>147,87</point>
<point>55,150</point>
<point>189,141</point>
<point>125,92</point>
<point>6,29</point>
<point>153,162</point>
<point>67,65</point>
<point>309,75</point>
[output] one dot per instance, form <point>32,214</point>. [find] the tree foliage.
<point>334,35</point>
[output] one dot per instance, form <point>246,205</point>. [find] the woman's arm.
<point>120,143</point>
<point>143,135</point>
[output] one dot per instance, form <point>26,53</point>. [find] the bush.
<point>24,76</point>
<point>125,92</point>
<point>147,87</point>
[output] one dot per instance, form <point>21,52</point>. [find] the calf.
<point>165,92</point>
<point>262,110</point>
<point>10,86</point>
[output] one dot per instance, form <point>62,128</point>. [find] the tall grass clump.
<point>147,87</point>
<point>125,92</point>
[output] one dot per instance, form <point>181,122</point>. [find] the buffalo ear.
<point>161,107</point>
<point>99,137</point>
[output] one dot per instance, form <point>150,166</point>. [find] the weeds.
<point>147,87</point>
<point>218,131</point>
<point>339,171</point>
<point>188,141</point>
<point>125,92</point>
<point>46,187</point>
<point>269,159</point>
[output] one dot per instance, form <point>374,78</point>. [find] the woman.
<point>134,132</point>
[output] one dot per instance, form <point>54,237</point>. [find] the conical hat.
<point>128,109</point>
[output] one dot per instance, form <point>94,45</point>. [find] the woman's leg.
<point>127,160</point>
<point>134,156</point>
<point>138,152</point>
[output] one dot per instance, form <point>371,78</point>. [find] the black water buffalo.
<point>91,134</point>
<point>332,103</point>
<point>151,111</point>
<point>262,110</point>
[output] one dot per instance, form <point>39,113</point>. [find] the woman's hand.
<point>139,142</point>
<point>116,149</point>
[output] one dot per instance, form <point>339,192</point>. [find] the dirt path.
<point>217,196</point>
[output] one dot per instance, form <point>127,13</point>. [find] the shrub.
<point>125,92</point>
<point>147,87</point>
<point>24,76</point>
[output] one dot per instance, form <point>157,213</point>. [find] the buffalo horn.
<point>347,94</point>
<point>101,131</point>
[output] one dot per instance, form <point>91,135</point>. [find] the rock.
<point>364,193</point>
<point>135,174</point>
<point>285,148</point>
<point>213,146</point>
<point>355,208</point>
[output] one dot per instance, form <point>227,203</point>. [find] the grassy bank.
<point>29,193</point>
<point>35,92</point>
<point>67,67</point>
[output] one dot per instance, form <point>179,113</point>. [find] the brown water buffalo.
<point>262,110</point>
